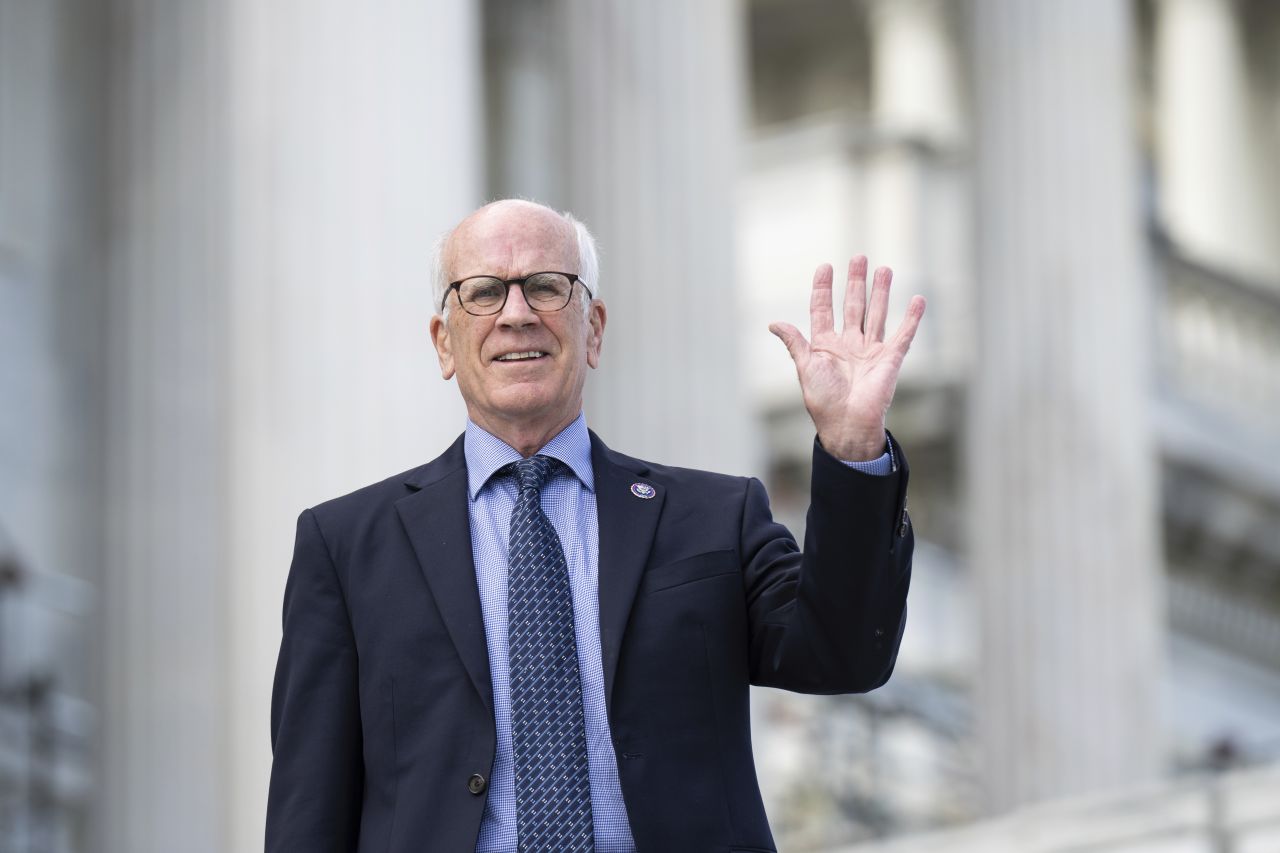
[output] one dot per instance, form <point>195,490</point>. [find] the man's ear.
<point>596,317</point>
<point>444,349</point>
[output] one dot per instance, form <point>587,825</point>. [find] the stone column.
<point>279,173</point>
<point>1214,161</point>
<point>915,74</point>
<point>164,771</point>
<point>643,143</point>
<point>355,142</point>
<point>916,196</point>
<point>1060,460</point>
<point>656,94</point>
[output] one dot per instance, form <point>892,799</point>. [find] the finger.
<point>907,328</point>
<point>855,295</point>
<point>878,309</point>
<point>821,317</point>
<point>795,342</point>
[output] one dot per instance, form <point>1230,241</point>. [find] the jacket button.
<point>476,784</point>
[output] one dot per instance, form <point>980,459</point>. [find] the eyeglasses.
<point>483,295</point>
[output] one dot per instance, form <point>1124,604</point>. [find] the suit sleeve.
<point>830,619</point>
<point>317,773</point>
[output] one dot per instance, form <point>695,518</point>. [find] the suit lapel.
<point>437,522</point>
<point>627,524</point>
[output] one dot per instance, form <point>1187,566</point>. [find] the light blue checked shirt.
<point>569,500</point>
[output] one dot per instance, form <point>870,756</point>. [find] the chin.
<point>524,402</point>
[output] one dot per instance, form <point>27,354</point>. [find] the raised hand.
<point>848,377</point>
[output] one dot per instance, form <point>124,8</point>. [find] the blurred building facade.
<point>215,223</point>
<point>1088,195</point>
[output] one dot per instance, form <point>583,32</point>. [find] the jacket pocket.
<point>708,564</point>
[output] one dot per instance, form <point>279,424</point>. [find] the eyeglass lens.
<point>546,291</point>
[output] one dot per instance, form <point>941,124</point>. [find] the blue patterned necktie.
<point>553,787</point>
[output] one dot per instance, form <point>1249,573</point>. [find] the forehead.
<point>511,241</point>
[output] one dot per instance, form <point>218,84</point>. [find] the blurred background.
<point>215,225</point>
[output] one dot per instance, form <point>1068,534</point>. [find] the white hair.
<point>588,260</point>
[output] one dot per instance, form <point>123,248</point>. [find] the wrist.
<point>861,446</point>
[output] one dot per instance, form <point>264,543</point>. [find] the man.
<point>536,643</point>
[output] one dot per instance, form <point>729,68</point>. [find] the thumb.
<point>794,341</point>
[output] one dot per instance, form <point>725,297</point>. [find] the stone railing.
<point>1218,340</point>
<point>1238,812</point>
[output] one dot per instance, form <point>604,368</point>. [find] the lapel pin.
<point>642,490</point>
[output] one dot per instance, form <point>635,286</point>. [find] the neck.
<point>526,437</point>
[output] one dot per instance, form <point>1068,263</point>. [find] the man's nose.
<point>516,312</point>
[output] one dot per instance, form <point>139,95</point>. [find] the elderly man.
<point>536,643</point>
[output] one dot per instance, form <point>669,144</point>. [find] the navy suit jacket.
<point>382,713</point>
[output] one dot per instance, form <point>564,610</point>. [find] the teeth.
<point>517,356</point>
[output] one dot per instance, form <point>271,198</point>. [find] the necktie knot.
<point>532,474</point>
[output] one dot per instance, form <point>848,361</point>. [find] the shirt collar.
<point>486,453</point>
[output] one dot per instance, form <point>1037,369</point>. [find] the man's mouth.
<point>521,356</point>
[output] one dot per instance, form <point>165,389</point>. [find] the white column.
<point>916,199</point>
<point>653,117</point>
<point>281,171</point>
<point>1060,459</point>
<point>915,74</point>
<point>1215,157</point>
<point>163,773</point>
<point>356,142</point>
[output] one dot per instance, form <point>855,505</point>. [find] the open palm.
<point>848,377</point>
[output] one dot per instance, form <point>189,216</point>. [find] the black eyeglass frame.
<point>455,286</point>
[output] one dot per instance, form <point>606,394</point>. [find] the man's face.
<point>509,241</point>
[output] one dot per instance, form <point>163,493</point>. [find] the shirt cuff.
<point>881,467</point>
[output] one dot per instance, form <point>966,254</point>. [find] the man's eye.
<point>484,293</point>
<point>545,288</point>
<point>541,290</point>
